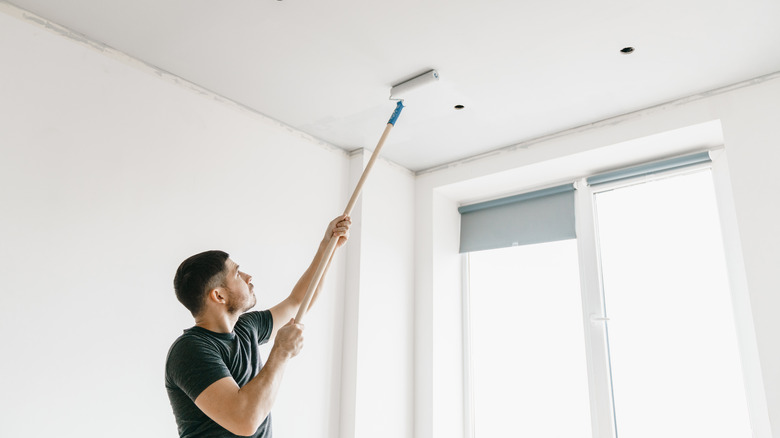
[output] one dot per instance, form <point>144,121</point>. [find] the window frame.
<point>603,421</point>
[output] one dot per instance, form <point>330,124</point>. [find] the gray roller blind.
<point>536,217</point>
<point>650,168</point>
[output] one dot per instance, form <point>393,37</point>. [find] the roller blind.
<point>650,168</point>
<point>536,217</point>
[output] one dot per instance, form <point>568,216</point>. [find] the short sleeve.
<point>194,364</point>
<point>261,323</point>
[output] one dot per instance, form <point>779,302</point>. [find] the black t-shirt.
<point>200,357</point>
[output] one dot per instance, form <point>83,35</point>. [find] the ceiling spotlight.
<point>459,107</point>
<point>627,50</point>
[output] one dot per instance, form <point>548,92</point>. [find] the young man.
<point>216,381</point>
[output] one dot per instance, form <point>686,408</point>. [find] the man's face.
<point>240,290</point>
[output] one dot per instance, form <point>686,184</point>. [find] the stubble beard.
<point>237,308</point>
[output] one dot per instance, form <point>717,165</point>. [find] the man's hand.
<point>338,227</point>
<point>289,339</point>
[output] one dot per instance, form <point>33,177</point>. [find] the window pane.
<point>528,354</point>
<point>673,348</point>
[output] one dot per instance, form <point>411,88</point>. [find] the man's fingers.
<point>342,220</point>
<point>292,322</point>
<point>339,227</point>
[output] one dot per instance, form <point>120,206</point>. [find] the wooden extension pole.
<point>331,248</point>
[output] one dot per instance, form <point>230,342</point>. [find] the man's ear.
<point>216,295</point>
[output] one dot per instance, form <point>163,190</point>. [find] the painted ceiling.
<point>520,69</point>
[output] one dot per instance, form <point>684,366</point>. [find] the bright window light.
<point>674,358</point>
<point>527,342</point>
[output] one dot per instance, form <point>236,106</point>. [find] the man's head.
<point>212,278</point>
<point>197,275</point>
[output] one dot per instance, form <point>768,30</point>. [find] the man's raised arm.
<point>287,309</point>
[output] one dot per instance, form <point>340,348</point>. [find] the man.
<point>216,381</point>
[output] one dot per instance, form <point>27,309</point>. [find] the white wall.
<point>109,178</point>
<point>748,115</point>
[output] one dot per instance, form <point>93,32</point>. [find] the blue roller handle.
<point>396,113</point>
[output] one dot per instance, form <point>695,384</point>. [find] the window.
<point>626,330</point>
<point>527,349</point>
<point>672,340</point>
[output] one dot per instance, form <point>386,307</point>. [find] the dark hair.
<point>197,275</point>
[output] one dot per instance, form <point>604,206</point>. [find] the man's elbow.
<point>243,430</point>
<point>246,427</point>
<point>239,431</point>
<point>246,424</point>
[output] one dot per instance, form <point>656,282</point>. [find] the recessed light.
<point>459,107</point>
<point>627,50</point>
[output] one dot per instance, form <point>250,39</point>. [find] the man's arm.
<point>288,308</point>
<point>242,410</point>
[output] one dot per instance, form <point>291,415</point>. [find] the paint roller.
<point>397,92</point>
<point>406,87</point>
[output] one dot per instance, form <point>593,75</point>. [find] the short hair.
<point>197,275</point>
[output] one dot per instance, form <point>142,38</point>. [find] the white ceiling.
<point>522,69</point>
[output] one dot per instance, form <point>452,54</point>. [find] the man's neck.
<point>218,323</point>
